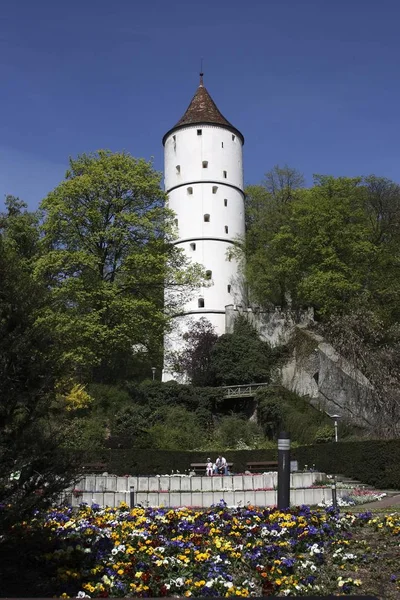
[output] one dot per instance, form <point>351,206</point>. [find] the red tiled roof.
<point>203,110</point>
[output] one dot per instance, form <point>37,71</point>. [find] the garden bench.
<point>260,466</point>
<point>95,467</point>
<point>201,467</point>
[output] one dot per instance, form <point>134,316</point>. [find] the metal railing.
<point>242,391</point>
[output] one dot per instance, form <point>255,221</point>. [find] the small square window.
<point>228,287</point>
<point>225,202</point>
<point>205,164</point>
<point>208,275</point>
<point>225,174</point>
<point>233,138</point>
<point>214,189</point>
<point>206,218</point>
<point>190,191</point>
<point>200,303</point>
<point>178,169</point>
<point>199,132</point>
<point>226,228</point>
<point>193,247</point>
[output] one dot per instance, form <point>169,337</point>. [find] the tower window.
<point>193,247</point>
<point>174,138</point>
<point>199,132</point>
<point>222,144</point>
<point>205,164</point>
<point>228,287</point>
<point>226,228</point>
<point>206,218</point>
<point>176,222</point>
<point>208,275</point>
<point>233,138</point>
<point>190,191</point>
<point>225,174</point>
<point>178,169</point>
<point>225,202</point>
<point>200,303</point>
<point>215,189</point>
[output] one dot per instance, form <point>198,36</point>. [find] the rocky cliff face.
<point>314,368</point>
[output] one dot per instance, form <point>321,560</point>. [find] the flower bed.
<point>220,551</point>
<point>356,496</point>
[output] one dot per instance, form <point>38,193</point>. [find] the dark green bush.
<point>137,461</point>
<point>375,462</point>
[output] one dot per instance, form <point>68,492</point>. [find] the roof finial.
<point>201,71</point>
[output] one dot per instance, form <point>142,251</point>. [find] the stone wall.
<point>258,490</point>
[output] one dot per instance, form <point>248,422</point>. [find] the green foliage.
<point>241,357</point>
<point>107,399</point>
<point>323,434</point>
<point>195,360</point>
<point>107,257</point>
<point>332,246</point>
<point>270,414</point>
<point>235,431</point>
<point>281,410</point>
<point>29,440</point>
<point>137,461</point>
<point>177,429</point>
<point>375,462</point>
<point>131,425</point>
<point>84,432</point>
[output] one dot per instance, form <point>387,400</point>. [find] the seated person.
<point>221,466</point>
<point>209,468</point>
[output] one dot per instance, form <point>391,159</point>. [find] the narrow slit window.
<point>225,202</point>
<point>233,138</point>
<point>206,218</point>
<point>222,144</point>
<point>228,287</point>
<point>226,229</point>
<point>176,222</point>
<point>215,189</point>
<point>190,191</point>
<point>178,169</point>
<point>225,174</point>
<point>205,164</point>
<point>200,303</point>
<point>193,247</point>
<point>208,275</point>
<point>199,132</point>
<point>174,138</point>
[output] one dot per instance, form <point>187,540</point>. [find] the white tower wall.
<point>204,183</point>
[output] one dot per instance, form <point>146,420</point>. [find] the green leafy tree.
<point>235,431</point>
<point>33,468</point>
<point>266,210</point>
<point>107,257</point>
<point>177,429</point>
<point>194,360</point>
<point>241,357</point>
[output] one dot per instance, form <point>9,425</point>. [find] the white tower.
<point>204,183</point>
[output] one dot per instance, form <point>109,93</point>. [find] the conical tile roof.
<point>202,110</point>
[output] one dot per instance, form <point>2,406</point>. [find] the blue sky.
<point>311,83</point>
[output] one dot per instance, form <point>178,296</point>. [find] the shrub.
<point>323,434</point>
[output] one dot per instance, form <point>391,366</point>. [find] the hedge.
<point>151,462</point>
<point>373,462</point>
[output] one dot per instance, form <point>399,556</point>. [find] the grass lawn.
<point>222,551</point>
